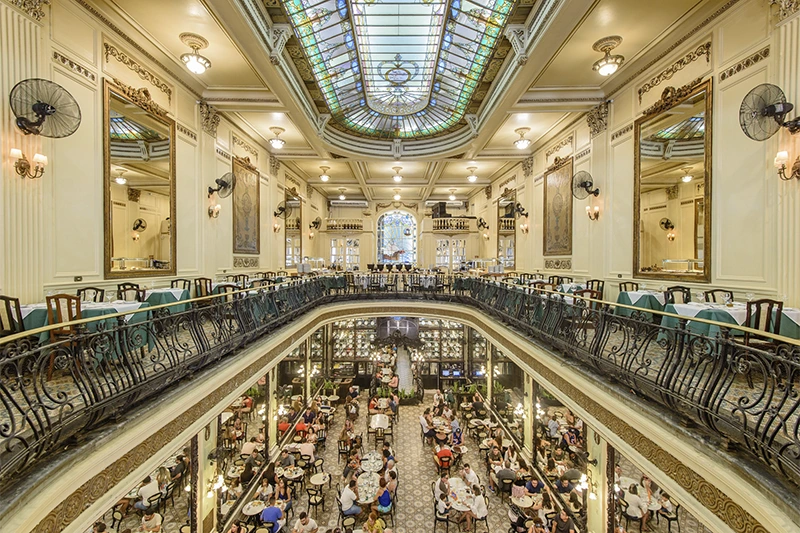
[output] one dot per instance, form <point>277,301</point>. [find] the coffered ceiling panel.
<point>539,124</point>
<point>262,122</point>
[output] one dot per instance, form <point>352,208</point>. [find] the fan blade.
<point>224,192</point>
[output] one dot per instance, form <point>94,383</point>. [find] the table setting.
<point>642,298</point>
<point>371,462</point>
<point>461,497</point>
<point>379,421</point>
<point>734,313</point>
<point>253,508</point>
<point>167,295</point>
<point>319,479</point>
<point>289,472</point>
<point>367,484</point>
<point>234,471</point>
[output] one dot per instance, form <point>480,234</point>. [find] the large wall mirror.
<point>506,229</point>
<point>139,184</point>
<point>294,241</point>
<point>672,187</point>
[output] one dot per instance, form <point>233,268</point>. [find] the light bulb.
<point>397,178</point>
<point>277,143</point>
<point>686,179</point>
<point>607,69</point>
<point>472,178</point>
<point>521,144</point>
<point>121,180</point>
<point>324,177</point>
<point>452,197</point>
<point>396,197</point>
<point>342,197</point>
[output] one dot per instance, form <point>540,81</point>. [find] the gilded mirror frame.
<point>141,98</point>
<point>671,98</point>
<point>505,195</point>
<point>290,193</point>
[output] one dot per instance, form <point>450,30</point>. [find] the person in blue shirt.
<point>273,514</point>
<point>565,487</point>
<point>534,486</point>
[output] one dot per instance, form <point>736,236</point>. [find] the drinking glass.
<point>642,286</point>
<point>749,296</point>
<point>700,295</point>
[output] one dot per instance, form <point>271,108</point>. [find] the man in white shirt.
<point>469,476</point>
<point>390,467</point>
<point>305,524</point>
<point>307,448</point>
<point>151,522</point>
<point>249,447</point>
<point>349,497</point>
<point>149,489</point>
<point>552,426</point>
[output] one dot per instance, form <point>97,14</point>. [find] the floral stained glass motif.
<point>398,68</point>
<point>397,238</point>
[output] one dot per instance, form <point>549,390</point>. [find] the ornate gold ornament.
<point>210,118</point>
<point>128,61</point>
<point>140,97</point>
<point>597,119</point>
<point>671,97</point>
<point>666,74</point>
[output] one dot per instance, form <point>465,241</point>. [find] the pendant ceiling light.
<point>522,142</point>
<point>341,193</point>
<point>397,177</point>
<point>452,195</point>
<point>396,195</point>
<point>608,64</point>
<point>324,176</point>
<point>687,177</point>
<point>276,142</point>
<point>472,178</point>
<point>121,179</point>
<point>194,61</point>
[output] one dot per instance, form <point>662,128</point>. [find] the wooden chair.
<point>596,285</point>
<point>553,280</point>
<point>541,287</point>
<point>485,519</point>
<point>722,294</point>
<point>238,279</point>
<point>670,518</point>
<point>61,308</point>
<point>229,292</point>
<point>10,316</point>
<point>589,293</point>
<point>130,292</point>
<point>281,274</point>
<point>259,283</point>
<point>628,286</point>
<point>684,294</point>
<point>91,294</point>
<point>182,283</point>
<point>444,465</point>
<point>763,315</point>
<point>564,279</point>
<point>269,274</point>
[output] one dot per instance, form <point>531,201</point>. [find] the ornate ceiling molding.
<point>74,66</point>
<point>561,144</point>
<point>671,96</point>
<point>744,64</point>
<point>527,166</point>
<point>704,50</point>
<point>245,146</point>
<point>140,97</point>
<point>186,131</point>
<point>280,35</point>
<point>786,8</point>
<point>622,131</point>
<point>518,36</point>
<point>274,165</point>
<point>210,118</point>
<point>597,119</point>
<point>32,8</point>
<point>112,51</point>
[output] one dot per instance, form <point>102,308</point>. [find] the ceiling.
<point>560,67</point>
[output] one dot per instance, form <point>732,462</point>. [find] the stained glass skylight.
<point>398,68</point>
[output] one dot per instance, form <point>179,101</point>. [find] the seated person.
<point>667,510</point>
<point>394,382</point>
<point>441,453</point>
<point>249,447</point>
<point>350,468</point>
<point>637,507</point>
<point>284,494</point>
<point>495,458</point>
<point>265,490</point>
<point>383,498</point>
<point>149,488</point>
<point>389,468</point>
<point>151,522</point>
<point>534,486</point>
<point>442,486</point>
<point>348,499</point>
<point>564,486</point>
<point>478,510</point>
<point>391,482</point>
<point>255,459</point>
<point>300,428</point>
<point>308,416</point>
<point>247,474</point>
<point>352,392</point>
<point>469,476</point>
<point>305,524</point>
<point>272,513</point>
<point>287,459</point>
<point>307,448</point>
<point>283,425</point>
<point>552,428</point>
<point>442,505</point>
<point>427,427</point>
<point>373,404</point>
<point>457,438</point>
<point>511,454</point>
<point>496,478</point>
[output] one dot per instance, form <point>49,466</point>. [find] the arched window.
<point>397,238</point>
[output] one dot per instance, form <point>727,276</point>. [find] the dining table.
<point>652,500</point>
<point>643,299</point>
<point>168,295</point>
<point>461,497</point>
<point>569,288</point>
<point>290,472</point>
<point>368,484</point>
<point>735,314</point>
<point>371,462</point>
<point>379,421</point>
<point>253,508</point>
<point>522,502</point>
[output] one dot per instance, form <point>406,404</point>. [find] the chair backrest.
<point>763,315</point>
<point>154,499</point>
<point>281,273</point>
<point>63,308</point>
<point>589,293</point>
<point>553,280</point>
<point>258,283</point>
<point>202,287</point>
<point>181,283</point>
<point>564,279</point>
<point>596,285</point>
<point>130,292</point>
<point>91,294</point>
<point>228,290</point>
<point>10,316</point>
<point>445,462</point>
<point>269,274</point>
<point>348,522</point>
<point>540,287</point>
<point>241,279</point>
<point>718,295</point>
<point>678,294</point>
<point>628,286</point>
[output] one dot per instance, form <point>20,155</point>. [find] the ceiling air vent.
<point>349,203</point>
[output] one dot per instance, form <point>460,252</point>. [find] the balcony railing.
<point>745,394</point>
<point>454,224</point>
<point>344,224</point>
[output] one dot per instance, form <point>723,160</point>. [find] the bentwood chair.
<point>677,294</point>
<point>203,287</point>
<point>130,292</point>
<point>182,283</point>
<point>238,279</point>
<point>10,316</point>
<point>591,294</point>
<point>596,285</point>
<point>269,274</point>
<point>763,315</point>
<point>564,279</point>
<point>61,308</point>
<point>281,274</point>
<point>91,294</point>
<point>628,286</point>
<point>718,295</point>
<point>553,280</point>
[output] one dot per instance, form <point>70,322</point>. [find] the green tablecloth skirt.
<point>647,301</point>
<point>161,298</point>
<point>788,327</point>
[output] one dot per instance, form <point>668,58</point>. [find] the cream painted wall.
<point>754,215</point>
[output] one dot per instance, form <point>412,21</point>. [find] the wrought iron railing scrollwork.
<point>742,393</point>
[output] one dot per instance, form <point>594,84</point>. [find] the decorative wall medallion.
<point>247,148</point>
<point>597,119</point>
<point>583,153</point>
<point>274,165</point>
<point>223,153</point>
<point>33,8</point>
<point>75,67</point>
<point>558,264</point>
<point>245,262</point>
<point>134,194</point>
<point>186,131</point>
<point>140,97</point>
<point>673,193</point>
<point>671,96</point>
<point>210,118</point>
<point>128,61</point>
<point>527,166</point>
<point>561,144</point>
<point>622,131</point>
<point>666,74</point>
<point>745,63</point>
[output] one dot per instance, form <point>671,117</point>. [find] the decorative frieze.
<point>223,153</point>
<point>622,131</point>
<point>134,194</point>
<point>128,61</point>
<point>786,8</point>
<point>247,148</point>
<point>74,66</point>
<point>33,8</point>
<point>507,181</point>
<point>210,118</point>
<point>245,262</point>
<point>559,146</point>
<point>488,192</point>
<point>186,131</point>
<point>140,97</point>
<point>280,35</point>
<point>558,264</point>
<point>744,64</point>
<point>671,97</point>
<point>583,153</point>
<point>704,50</point>
<point>597,119</point>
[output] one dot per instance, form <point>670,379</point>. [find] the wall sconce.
<point>276,227</point>
<point>23,166</point>
<point>310,235</point>
<point>670,236</point>
<point>780,163</point>
<point>593,214</point>
<point>485,236</point>
<point>524,228</point>
<point>213,210</point>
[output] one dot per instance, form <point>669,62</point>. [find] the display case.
<point>345,253</point>
<point>451,253</point>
